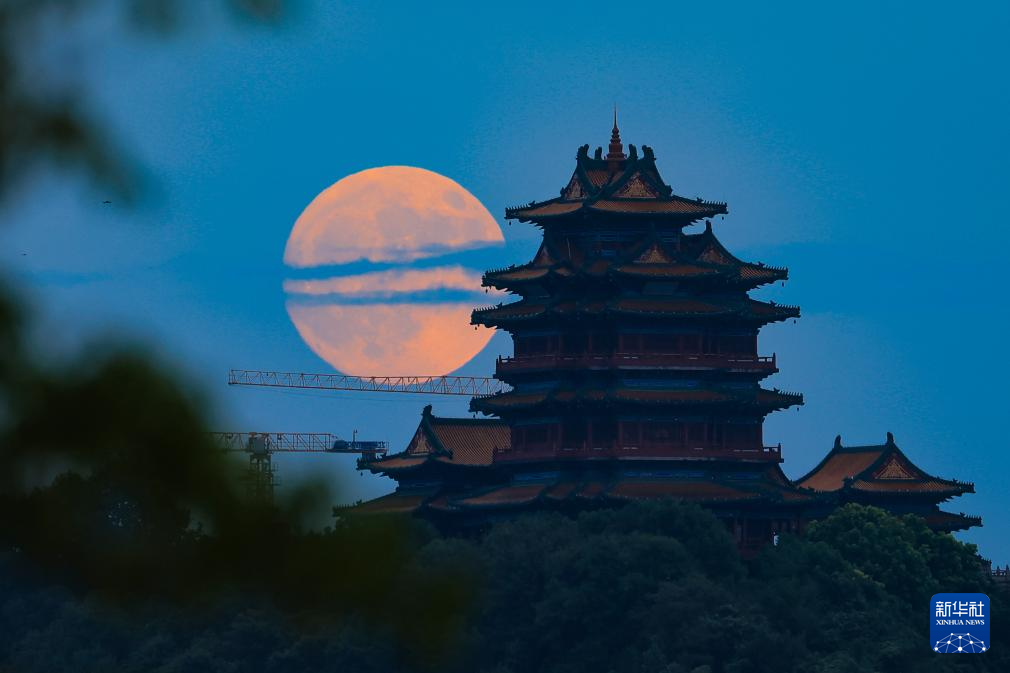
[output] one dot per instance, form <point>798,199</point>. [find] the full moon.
<point>393,321</point>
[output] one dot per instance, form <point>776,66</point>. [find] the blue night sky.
<point>863,145</point>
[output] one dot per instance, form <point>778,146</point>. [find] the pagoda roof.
<point>470,442</point>
<point>699,256</point>
<point>398,502</point>
<point>690,485</point>
<point>880,469</point>
<point>762,399</point>
<point>618,183</point>
<point>746,309</point>
<point>950,522</point>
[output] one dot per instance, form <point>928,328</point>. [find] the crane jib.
<point>471,386</point>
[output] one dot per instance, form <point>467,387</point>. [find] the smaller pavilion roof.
<point>879,469</point>
<point>470,442</point>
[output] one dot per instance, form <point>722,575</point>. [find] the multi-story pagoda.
<point>633,339</point>
<point>635,375</point>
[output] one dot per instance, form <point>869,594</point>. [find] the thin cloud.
<point>388,284</point>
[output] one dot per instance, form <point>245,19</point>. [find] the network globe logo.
<point>959,623</point>
<point>963,643</point>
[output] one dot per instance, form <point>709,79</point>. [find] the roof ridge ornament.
<point>838,441</point>
<point>616,149</point>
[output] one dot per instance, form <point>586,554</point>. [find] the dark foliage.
<point>111,490</point>
<point>647,588</point>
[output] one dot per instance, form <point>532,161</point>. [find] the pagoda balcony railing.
<point>639,360</point>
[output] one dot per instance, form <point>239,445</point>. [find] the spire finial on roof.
<point>616,148</point>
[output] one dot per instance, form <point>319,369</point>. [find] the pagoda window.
<point>533,437</point>
<point>629,343</point>
<point>537,435</point>
<point>600,343</point>
<point>758,530</point>
<point>739,345</point>
<point>743,435</point>
<point>602,433</point>
<point>697,434</point>
<point>661,343</point>
<point>630,434</point>
<point>717,435</point>
<point>663,432</point>
<point>573,433</point>
<point>573,343</point>
<point>533,345</point>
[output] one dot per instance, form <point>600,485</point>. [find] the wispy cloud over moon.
<point>389,284</point>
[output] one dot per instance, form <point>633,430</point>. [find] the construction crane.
<point>424,385</point>
<point>261,475</point>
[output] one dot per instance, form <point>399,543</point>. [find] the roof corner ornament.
<point>632,152</point>
<point>838,441</point>
<point>598,154</point>
<point>890,439</point>
<point>583,152</point>
<point>426,412</point>
<point>647,153</point>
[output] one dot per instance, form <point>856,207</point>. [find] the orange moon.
<point>392,321</point>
